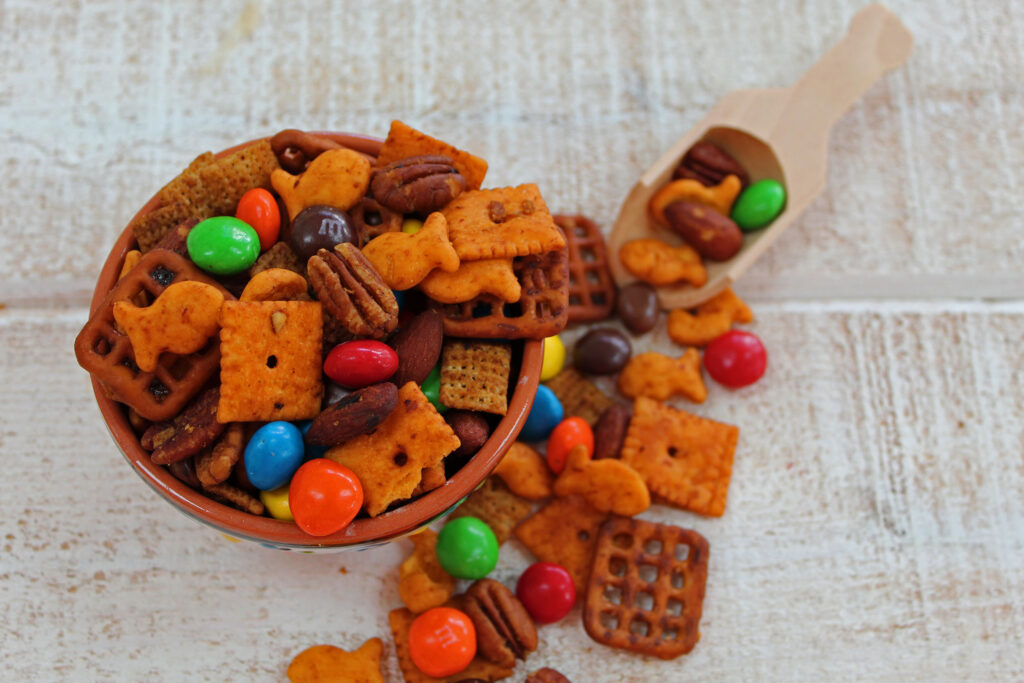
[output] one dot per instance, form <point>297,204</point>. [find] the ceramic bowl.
<point>363,532</point>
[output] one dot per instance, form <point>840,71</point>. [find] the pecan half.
<point>417,184</point>
<point>708,165</point>
<point>191,431</point>
<point>213,466</point>
<point>358,413</point>
<point>546,675</point>
<point>352,290</point>
<point>504,629</point>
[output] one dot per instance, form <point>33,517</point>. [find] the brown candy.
<point>602,351</point>
<point>471,428</point>
<point>504,629</point>
<point>637,306</point>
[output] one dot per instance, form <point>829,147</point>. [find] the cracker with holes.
<point>661,377</point>
<point>525,472</point>
<point>390,461</point>
<point>564,532</point>
<point>712,319</point>
<point>496,506</point>
<point>501,223</point>
<point>685,459</point>
<point>646,588</point>
<point>270,367</point>
<point>474,375</point>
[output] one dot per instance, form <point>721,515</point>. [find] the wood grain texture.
<point>875,527</point>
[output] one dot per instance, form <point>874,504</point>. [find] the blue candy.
<point>273,454</point>
<point>545,414</point>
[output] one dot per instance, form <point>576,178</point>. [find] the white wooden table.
<point>875,527</point>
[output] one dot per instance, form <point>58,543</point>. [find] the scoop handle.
<point>876,42</point>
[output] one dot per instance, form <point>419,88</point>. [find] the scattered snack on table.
<point>602,351</point>
<point>479,668</point>
<point>525,473</point>
<point>546,675</point>
<point>422,583</point>
<point>403,142</point>
<point>495,277</point>
<point>591,288</point>
<point>270,361</point>
<point>352,290</point>
<point>496,506</point>
<point>712,319</point>
<point>659,263</point>
<point>502,223</point>
<point>181,321</point>
<point>467,547</point>
<point>107,354</point>
<point>474,376</point>
<point>390,461</point>
<point>504,630</point>
<point>547,591</point>
<point>661,377</point>
<point>709,165</point>
<point>634,558</point>
<point>578,395</point>
<point>564,532</point>
<point>330,664</point>
<point>683,458</point>
<point>610,431</point>
<point>736,359</point>
<point>417,184</point>
<point>404,259</point>
<point>567,435</point>
<point>542,309</point>
<point>608,485</point>
<point>336,178</point>
<point>637,307</point>
<point>719,197</point>
<point>208,187</point>
<point>276,284</point>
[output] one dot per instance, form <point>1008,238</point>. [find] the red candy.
<point>568,433</point>
<point>442,641</point>
<point>735,359</point>
<point>324,496</point>
<point>547,591</point>
<point>358,364</point>
<point>258,208</point>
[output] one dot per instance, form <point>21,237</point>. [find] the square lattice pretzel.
<point>646,588</point>
<point>591,289</point>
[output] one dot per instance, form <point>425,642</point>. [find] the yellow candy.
<point>554,358</point>
<point>411,226</point>
<point>276,502</point>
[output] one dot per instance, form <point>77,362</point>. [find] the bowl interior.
<point>361,531</point>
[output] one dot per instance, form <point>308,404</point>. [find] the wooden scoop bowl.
<point>779,133</point>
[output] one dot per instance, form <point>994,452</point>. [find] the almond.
<point>358,413</point>
<point>418,345</point>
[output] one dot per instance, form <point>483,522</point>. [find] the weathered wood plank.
<point>875,527</point>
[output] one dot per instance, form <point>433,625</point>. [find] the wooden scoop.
<point>779,133</point>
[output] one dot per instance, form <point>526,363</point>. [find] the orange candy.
<point>442,641</point>
<point>570,432</point>
<point>259,209</point>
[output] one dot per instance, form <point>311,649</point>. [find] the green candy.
<point>223,245</point>
<point>431,388</point>
<point>759,204</point>
<point>467,548</point>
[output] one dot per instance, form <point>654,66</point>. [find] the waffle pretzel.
<point>108,355</point>
<point>542,309</point>
<point>646,588</point>
<point>591,289</point>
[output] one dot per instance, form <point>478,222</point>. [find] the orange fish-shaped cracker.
<point>404,259</point>
<point>338,178</point>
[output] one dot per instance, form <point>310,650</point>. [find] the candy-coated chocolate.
<point>569,433</point>
<point>547,591</point>
<point>276,502</point>
<point>759,204</point>
<point>442,641</point>
<point>602,351</point>
<point>467,548</point>
<point>637,306</point>
<point>223,245</point>
<point>544,415</point>
<point>431,388</point>
<point>554,358</point>
<point>324,497</point>
<point>360,363</point>
<point>411,226</point>
<point>735,359</point>
<point>259,209</point>
<point>273,454</point>
<point>319,227</point>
